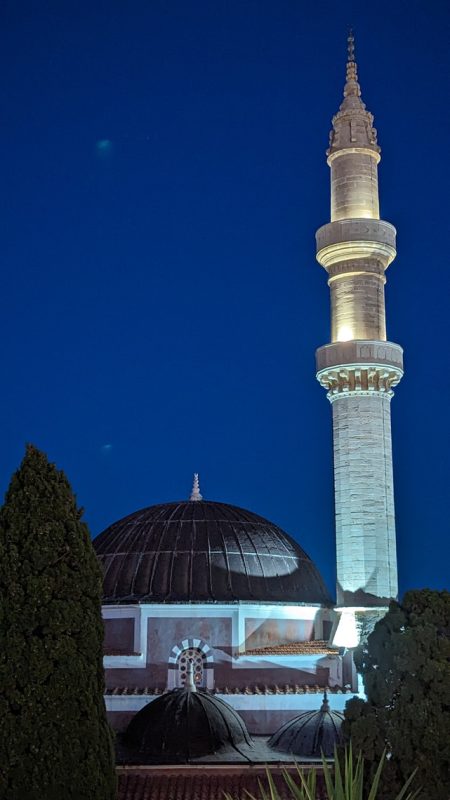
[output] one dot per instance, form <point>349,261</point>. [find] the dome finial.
<point>189,682</point>
<point>325,704</point>
<point>195,494</point>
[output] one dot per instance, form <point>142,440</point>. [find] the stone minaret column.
<point>359,367</point>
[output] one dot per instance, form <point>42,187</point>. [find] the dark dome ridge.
<point>310,733</point>
<point>183,724</point>
<point>201,551</point>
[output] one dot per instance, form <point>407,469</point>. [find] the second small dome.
<point>311,733</point>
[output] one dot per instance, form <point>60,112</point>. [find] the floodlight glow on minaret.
<point>359,367</point>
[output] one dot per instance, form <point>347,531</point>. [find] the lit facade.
<point>216,586</point>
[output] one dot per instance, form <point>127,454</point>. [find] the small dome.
<point>184,724</point>
<point>311,733</point>
<point>200,551</point>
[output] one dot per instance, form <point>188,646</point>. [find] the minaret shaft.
<point>359,367</point>
<point>364,498</point>
<point>354,185</point>
<point>357,302</point>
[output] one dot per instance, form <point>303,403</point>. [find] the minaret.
<point>359,367</point>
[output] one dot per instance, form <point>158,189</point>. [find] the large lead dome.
<point>200,551</point>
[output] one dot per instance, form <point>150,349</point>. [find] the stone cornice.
<point>359,380</point>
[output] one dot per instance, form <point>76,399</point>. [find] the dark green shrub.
<point>405,663</point>
<point>55,743</point>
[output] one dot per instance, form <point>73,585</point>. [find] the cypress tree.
<point>55,742</point>
<point>405,663</point>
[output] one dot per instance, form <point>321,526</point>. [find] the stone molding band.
<point>340,395</point>
<point>343,151</point>
<point>358,352</point>
<point>350,239</point>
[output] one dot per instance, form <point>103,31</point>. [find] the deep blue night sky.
<point>161,303</point>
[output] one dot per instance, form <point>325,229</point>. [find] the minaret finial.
<point>195,494</point>
<point>189,682</point>
<point>351,45</point>
<point>351,88</point>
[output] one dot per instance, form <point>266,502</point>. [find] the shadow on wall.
<point>273,631</point>
<point>361,597</point>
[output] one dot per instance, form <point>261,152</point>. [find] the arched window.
<point>202,657</point>
<point>197,659</point>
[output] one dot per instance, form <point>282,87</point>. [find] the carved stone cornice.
<point>359,379</point>
<point>359,368</point>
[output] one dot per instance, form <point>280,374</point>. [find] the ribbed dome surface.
<point>311,733</point>
<point>182,724</point>
<point>204,552</point>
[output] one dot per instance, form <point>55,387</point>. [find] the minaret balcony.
<point>359,367</point>
<point>350,239</point>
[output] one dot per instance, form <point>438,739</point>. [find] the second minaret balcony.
<point>349,239</point>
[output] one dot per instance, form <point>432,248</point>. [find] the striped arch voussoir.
<point>198,644</point>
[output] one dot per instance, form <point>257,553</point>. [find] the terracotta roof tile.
<point>196,785</point>
<point>273,688</point>
<point>317,647</point>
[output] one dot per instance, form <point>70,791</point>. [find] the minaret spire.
<point>353,124</point>
<point>195,494</point>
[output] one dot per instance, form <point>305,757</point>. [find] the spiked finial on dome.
<point>325,704</point>
<point>189,682</point>
<point>195,494</point>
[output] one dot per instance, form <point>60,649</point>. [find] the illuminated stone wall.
<point>354,186</point>
<point>357,305</point>
<point>365,518</point>
<point>145,643</point>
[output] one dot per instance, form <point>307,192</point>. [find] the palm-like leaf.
<point>345,783</point>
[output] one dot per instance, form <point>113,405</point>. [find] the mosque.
<point>212,608</point>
